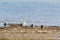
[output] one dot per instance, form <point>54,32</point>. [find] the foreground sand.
<point>27,33</point>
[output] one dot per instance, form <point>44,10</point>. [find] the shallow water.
<point>14,12</point>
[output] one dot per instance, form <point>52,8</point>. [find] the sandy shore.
<point>27,33</point>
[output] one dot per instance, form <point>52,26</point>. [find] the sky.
<point>38,1</point>
<point>37,10</point>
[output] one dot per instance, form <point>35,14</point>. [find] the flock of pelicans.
<point>24,23</point>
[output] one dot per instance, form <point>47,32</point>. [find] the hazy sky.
<point>49,1</point>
